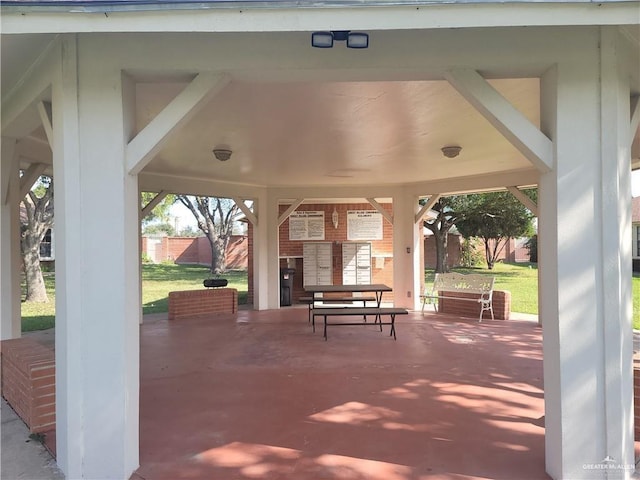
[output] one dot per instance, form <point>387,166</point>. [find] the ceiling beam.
<point>292,208</point>
<point>150,140</point>
<point>29,177</point>
<point>9,165</point>
<point>246,210</point>
<point>44,110</point>
<point>427,206</point>
<point>18,115</point>
<point>512,124</point>
<point>524,199</point>
<point>635,118</point>
<point>153,203</point>
<point>381,209</point>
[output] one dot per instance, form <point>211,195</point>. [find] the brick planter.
<point>29,382</point>
<point>465,308</point>
<point>192,303</point>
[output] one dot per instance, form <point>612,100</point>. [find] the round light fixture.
<point>222,154</point>
<point>451,151</point>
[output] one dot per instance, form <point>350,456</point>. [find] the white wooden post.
<point>585,267</point>
<point>97,297</point>
<point>262,252</point>
<point>271,290</point>
<point>10,316</point>
<point>406,251</point>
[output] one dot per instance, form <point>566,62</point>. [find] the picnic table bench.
<point>363,311</point>
<point>311,301</point>
<point>457,286</point>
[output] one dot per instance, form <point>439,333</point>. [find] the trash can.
<point>286,286</point>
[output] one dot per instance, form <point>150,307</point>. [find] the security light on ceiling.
<point>451,151</point>
<point>222,154</point>
<point>353,39</point>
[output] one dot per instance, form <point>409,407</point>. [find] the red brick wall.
<point>191,303</point>
<point>29,382</point>
<point>464,308</point>
<point>382,247</point>
<point>196,250</point>
<point>250,276</point>
<point>294,248</point>
<point>183,249</point>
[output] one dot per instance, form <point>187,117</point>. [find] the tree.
<point>532,246</point>
<point>495,217</point>
<point>159,213</point>
<point>188,231</point>
<point>215,218</point>
<point>160,229</point>
<point>38,218</point>
<point>448,212</point>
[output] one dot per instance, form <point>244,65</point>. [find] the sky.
<point>182,216</point>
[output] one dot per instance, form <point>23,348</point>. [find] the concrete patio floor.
<point>259,396</point>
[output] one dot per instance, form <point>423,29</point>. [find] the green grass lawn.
<point>157,282</point>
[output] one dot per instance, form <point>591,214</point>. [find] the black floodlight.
<point>322,39</point>
<point>358,40</point>
<point>353,39</point>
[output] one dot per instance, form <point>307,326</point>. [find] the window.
<point>46,250</point>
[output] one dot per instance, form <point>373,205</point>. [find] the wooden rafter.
<point>427,206</point>
<point>512,124</point>
<point>148,142</point>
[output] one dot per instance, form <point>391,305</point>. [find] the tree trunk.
<point>218,254</point>
<point>36,291</point>
<point>442,252</point>
<point>493,253</point>
<point>487,254</point>
<point>39,213</point>
<point>216,223</point>
<point>218,260</point>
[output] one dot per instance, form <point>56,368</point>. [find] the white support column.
<point>407,271</point>
<point>260,253</point>
<point>97,287</point>
<point>10,317</point>
<point>271,289</point>
<point>615,155</point>
<point>585,268</point>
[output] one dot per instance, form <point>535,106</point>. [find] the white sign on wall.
<point>364,225</point>
<point>306,225</point>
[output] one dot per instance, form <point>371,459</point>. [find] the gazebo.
<point>114,97</point>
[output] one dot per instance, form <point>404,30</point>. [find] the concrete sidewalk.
<point>22,458</point>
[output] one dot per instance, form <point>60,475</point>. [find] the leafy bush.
<point>471,252</point>
<point>532,246</point>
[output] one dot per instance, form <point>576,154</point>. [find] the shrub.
<point>471,252</point>
<point>532,246</point>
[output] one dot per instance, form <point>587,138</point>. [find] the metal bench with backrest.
<point>453,285</point>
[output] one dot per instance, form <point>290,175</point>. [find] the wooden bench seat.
<point>327,312</point>
<point>310,301</point>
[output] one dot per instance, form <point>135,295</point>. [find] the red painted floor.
<point>259,396</point>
